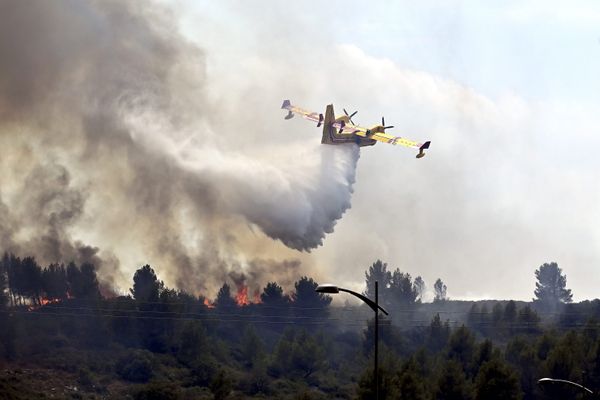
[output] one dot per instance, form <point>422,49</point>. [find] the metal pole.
<point>376,341</point>
<point>374,305</point>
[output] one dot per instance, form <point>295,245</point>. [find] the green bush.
<point>136,367</point>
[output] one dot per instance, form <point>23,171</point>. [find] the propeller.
<point>350,116</point>
<point>383,124</point>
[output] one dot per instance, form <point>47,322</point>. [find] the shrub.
<point>136,367</point>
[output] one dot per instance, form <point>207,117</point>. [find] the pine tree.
<point>307,302</point>
<point>54,281</point>
<point>377,272</point>
<point>224,299</point>
<point>193,343</point>
<point>496,380</point>
<point>411,386</point>
<point>146,286</point>
<point>272,294</point>
<point>419,286</point>
<point>88,285</point>
<point>401,291</point>
<point>440,291</point>
<point>31,279</point>
<point>438,334</point>
<point>452,383</point>
<point>551,286</point>
<point>461,346</point>
<point>273,301</point>
<point>252,347</point>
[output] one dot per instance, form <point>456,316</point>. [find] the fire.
<point>241,298</point>
<point>43,302</point>
<point>49,301</point>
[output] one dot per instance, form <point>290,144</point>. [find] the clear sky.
<point>506,91</point>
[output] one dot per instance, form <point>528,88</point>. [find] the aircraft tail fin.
<point>424,146</point>
<point>328,125</point>
<point>286,104</point>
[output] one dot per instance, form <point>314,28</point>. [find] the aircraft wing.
<point>349,129</point>
<point>292,110</point>
<point>379,136</point>
<point>387,138</point>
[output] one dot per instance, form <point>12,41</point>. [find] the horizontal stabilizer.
<point>424,146</point>
<point>320,120</point>
<point>289,115</point>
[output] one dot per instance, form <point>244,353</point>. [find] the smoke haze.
<point>112,153</point>
<point>151,133</point>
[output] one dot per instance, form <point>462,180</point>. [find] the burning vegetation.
<point>243,299</point>
<point>33,286</point>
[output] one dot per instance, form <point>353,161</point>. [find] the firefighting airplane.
<point>342,130</point>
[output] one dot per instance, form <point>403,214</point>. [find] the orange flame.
<point>241,298</point>
<point>43,302</point>
<point>208,304</point>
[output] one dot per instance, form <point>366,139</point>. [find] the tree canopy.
<point>146,286</point>
<point>551,286</point>
<point>440,291</point>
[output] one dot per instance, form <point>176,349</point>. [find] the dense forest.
<point>60,337</point>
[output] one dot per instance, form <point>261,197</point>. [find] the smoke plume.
<point>113,153</point>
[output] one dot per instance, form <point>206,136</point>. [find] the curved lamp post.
<point>332,289</point>
<point>546,382</point>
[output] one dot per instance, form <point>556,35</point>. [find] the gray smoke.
<point>113,153</point>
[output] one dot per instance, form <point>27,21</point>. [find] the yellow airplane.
<point>342,130</point>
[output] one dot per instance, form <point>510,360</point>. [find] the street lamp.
<point>332,289</point>
<point>547,382</point>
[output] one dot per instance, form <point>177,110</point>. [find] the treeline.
<point>215,347</point>
<point>28,283</point>
<point>397,289</point>
<point>163,343</point>
<point>25,282</point>
<point>457,364</point>
<point>503,321</point>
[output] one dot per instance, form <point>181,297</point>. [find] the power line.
<point>258,319</point>
<point>323,321</point>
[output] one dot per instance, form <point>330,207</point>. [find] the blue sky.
<point>538,49</point>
